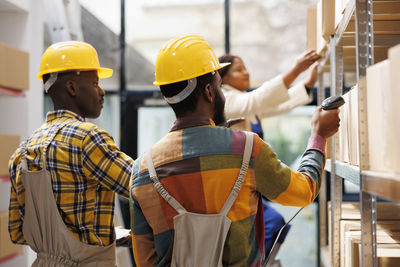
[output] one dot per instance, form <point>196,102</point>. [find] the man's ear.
<point>209,93</point>
<point>72,87</point>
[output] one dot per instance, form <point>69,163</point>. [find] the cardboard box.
<point>8,145</point>
<point>353,127</point>
<point>6,246</point>
<point>388,230</point>
<point>326,18</point>
<point>388,249</point>
<point>386,211</point>
<point>394,107</point>
<point>347,226</point>
<point>321,42</point>
<point>5,185</point>
<point>386,7</point>
<point>378,115</point>
<point>339,10</point>
<point>382,26</point>
<point>14,68</point>
<point>342,145</point>
<point>312,27</point>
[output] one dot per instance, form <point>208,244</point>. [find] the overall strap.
<point>24,146</point>
<point>160,188</point>
<point>48,141</point>
<point>24,164</point>
<point>242,173</point>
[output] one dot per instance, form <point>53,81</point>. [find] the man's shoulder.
<point>83,128</point>
<point>75,132</point>
<point>82,125</point>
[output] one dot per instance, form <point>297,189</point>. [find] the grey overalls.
<point>44,229</point>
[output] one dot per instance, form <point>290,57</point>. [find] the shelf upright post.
<point>323,240</point>
<point>365,58</point>
<point>322,214</point>
<point>336,58</point>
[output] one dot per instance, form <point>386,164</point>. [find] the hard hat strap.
<point>50,81</point>
<point>53,79</point>
<point>182,95</point>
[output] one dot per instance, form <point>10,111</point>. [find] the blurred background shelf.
<point>11,92</point>
<point>20,6</point>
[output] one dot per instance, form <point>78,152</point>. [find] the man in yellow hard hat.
<point>65,175</point>
<point>195,166</point>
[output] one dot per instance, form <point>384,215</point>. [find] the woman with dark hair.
<point>271,98</point>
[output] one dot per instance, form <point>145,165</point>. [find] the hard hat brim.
<point>101,72</point>
<point>104,73</point>
<point>221,65</point>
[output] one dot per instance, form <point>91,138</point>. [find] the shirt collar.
<point>62,113</point>
<point>191,121</point>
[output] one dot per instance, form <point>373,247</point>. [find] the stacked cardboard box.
<point>388,249</point>
<point>7,248</point>
<point>326,18</point>
<point>378,113</point>
<point>340,6</point>
<point>312,27</point>
<point>383,120</point>
<point>322,26</point>
<point>14,68</point>
<point>394,108</point>
<point>329,14</point>
<point>8,144</point>
<point>342,145</point>
<point>388,234</point>
<point>352,127</point>
<point>346,147</point>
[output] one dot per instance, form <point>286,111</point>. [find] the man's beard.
<point>219,107</point>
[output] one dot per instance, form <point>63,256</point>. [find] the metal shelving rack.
<point>372,184</point>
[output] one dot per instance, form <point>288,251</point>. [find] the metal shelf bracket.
<point>365,58</point>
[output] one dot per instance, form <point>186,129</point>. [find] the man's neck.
<point>189,121</point>
<point>58,106</point>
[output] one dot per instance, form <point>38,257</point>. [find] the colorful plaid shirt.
<point>86,168</point>
<point>198,163</point>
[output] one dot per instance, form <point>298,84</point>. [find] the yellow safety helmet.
<point>69,56</point>
<point>184,58</point>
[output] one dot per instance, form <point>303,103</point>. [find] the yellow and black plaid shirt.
<point>86,168</point>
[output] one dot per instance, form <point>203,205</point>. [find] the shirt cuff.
<point>316,142</point>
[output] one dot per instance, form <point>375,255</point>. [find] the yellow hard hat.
<point>69,56</point>
<point>184,58</point>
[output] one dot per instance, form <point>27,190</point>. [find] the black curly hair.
<point>226,58</point>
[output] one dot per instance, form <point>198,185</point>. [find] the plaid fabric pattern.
<point>198,166</point>
<point>86,167</point>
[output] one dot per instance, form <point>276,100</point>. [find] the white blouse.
<point>270,99</point>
